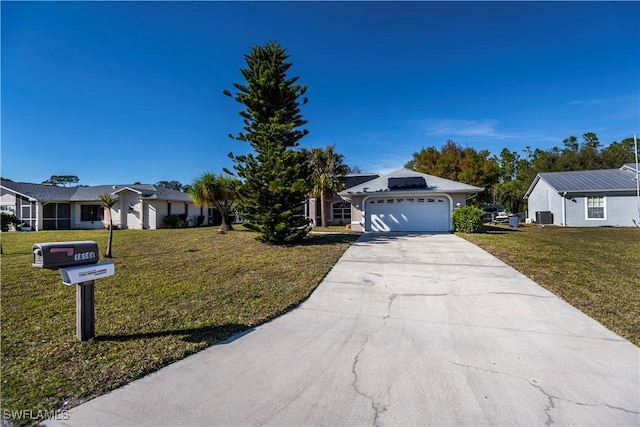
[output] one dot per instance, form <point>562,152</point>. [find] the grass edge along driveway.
<point>175,292</point>
<point>595,269</point>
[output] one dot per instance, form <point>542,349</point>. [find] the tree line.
<point>506,177</point>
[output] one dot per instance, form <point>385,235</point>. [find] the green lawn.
<point>594,269</point>
<point>174,293</point>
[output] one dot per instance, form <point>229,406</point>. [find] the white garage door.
<point>407,214</point>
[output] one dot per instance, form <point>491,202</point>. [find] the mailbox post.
<point>78,265</point>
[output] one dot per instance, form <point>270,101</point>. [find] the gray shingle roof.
<point>589,181</point>
<point>40,191</point>
<point>52,193</point>
<point>434,185</point>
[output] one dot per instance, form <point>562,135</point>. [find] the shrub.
<point>8,219</point>
<point>171,221</point>
<point>467,219</point>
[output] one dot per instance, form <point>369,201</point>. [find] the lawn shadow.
<point>220,334</point>
<point>329,239</point>
<point>492,229</point>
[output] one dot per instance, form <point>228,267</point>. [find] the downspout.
<point>564,209</point>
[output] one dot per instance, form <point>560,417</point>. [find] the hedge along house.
<point>591,198</point>
<point>406,200</point>
<point>139,206</point>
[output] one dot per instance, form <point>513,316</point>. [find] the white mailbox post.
<point>83,277</point>
<point>78,265</point>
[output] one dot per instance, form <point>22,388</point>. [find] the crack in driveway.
<point>377,406</point>
<point>551,398</point>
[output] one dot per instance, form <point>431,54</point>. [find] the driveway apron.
<point>406,329</point>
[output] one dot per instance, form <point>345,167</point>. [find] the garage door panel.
<point>407,214</point>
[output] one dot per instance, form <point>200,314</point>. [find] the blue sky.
<point>119,92</point>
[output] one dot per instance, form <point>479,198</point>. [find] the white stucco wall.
<point>544,198</point>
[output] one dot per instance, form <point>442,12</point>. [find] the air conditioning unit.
<point>544,217</point>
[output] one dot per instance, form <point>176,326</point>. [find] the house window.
<point>341,211</point>
<point>91,213</point>
<point>595,208</point>
<point>169,208</point>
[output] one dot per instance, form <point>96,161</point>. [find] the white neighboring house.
<point>406,200</point>
<point>591,198</point>
<point>139,206</point>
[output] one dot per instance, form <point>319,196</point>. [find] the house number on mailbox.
<point>84,255</point>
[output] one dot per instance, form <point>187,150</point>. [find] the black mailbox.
<point>65,254</point>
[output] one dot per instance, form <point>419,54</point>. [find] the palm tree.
<point>215,190</point>
<point>329,171</point>
<point>107,203</point>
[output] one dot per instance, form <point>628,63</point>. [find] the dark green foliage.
<point>456,163</point>
<point>172,221</point>
<point>8,219</point>
<point>276,177</point>
<point>63,180</point>
<point>467,219</point>
<point>173,184</point>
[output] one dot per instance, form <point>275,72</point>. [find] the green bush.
<point>7,220</point>
<point>171,221</point>
<point>467,219</point>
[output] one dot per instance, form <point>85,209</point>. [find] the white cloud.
<point>468,129</point>
<point>590,101</point>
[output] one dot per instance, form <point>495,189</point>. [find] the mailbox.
<point>56,255</point>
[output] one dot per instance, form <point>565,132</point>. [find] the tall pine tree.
<point>276,177</point>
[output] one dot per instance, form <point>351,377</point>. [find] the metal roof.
<point>52,193</point>
<point>434,185</point>
<point>589,181</point>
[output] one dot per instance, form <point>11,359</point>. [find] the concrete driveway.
<point>407,329</point>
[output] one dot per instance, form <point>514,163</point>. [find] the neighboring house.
<point>590,198</point>
<point>406,200</point>
<point>139,206</point>
<point>338,212</point>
